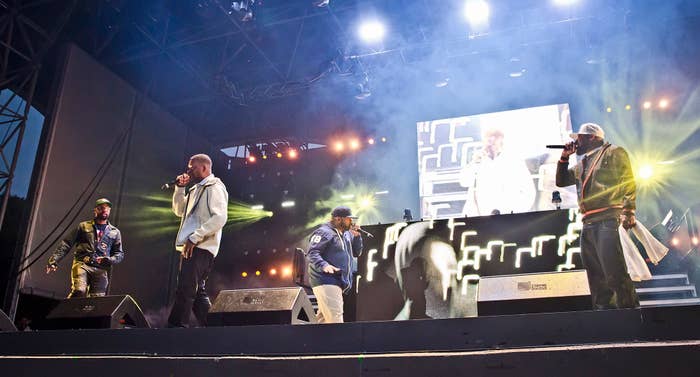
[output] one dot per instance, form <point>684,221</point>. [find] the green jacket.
<point>87,248</point>
<point>609,188</point>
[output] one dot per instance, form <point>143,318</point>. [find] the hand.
<point>189,248</point>
<point>330,269</point>
<point>629,220</point>
<point>182,180</point>
<point>101,260</point>
<point>355,230</point>
<point>569,149</point>
<point>51,268</point>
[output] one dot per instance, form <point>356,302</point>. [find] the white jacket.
<point>205,215</point>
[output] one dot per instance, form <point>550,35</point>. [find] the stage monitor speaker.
<point>265,306</point>
<point>106,312</point>
<point>534,293</point>
<point>5,323</point>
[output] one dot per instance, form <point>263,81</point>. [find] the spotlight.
<point>257,207</point>
<point>383,139</point>
<point>279,154</point>
<point>628,107</point>
<point>370,141</point>
<point>243,8</point>
<point>564,2</point>
<point>675,241</point>
<point>287,271</point>
<point>372,31</point>
<point>293,154</point>
<point>646,105</point>
<point>244,274</point>
<point>608,109</point>
<point>251,159</point>
<point>257,273</point>
<point>354,144</point>
<point>663,103</point>
<point>338,146</point>
<point>273,271</point>
<point>645,172</point>
<point>477,12</point>
<point>287,204</point>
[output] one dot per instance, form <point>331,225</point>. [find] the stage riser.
<point>497,332</point>
<point>659,360</point>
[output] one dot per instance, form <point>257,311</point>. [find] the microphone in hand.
<point>169,184</point>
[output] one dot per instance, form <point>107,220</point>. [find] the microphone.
<point>169,184</point>
<point>366,233</point>
<point>560,146</point>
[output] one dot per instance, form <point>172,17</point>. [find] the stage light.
<point>646,105</point>
<point>286,271</point>
<point>257,273</point>
<point>273,271</point>
<point>477,12</point>
<point>383,140</point>
<point>252,159</point>
<point>372,31</point>
<point>354,144</point>
<point>279,154</point>
<point>663,103</point>
<point>288,204</point>
<point>694,240</point>
<point>675,241</point>
<point>264,157</point>
<point>338,146</point>
<point>293,154</point>
<point>628,107</point>
<point>244,274</point>
<point>645,172</point>
<point>257,207</point>
<point>370,141</point>
<point>608,109</point>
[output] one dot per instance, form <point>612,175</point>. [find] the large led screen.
<point>494,163</point>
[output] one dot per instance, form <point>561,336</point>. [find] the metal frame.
<point>23,45</point>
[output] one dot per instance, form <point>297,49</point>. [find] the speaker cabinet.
<point>534,293</point>
<point>107,312</point>
<point>5,323</point>
<point>261,307</point>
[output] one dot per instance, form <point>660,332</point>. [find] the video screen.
<point>495,163</point>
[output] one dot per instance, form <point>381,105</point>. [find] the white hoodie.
<point>206,214</point>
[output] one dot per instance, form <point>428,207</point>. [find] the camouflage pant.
<point>88,280</point>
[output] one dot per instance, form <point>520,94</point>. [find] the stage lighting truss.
<point>288,149</point>
<point>675,233</point>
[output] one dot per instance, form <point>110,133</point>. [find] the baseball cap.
<point>589,129</point>
<point>342,211</point>
<point>102,201</point>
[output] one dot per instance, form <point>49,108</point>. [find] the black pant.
<point>601,252</point>
<point>191,295</point>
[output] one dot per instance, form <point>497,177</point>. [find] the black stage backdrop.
<point>429,269</point>
<point>99,119</point>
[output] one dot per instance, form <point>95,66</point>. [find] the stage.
<point>613,342</point>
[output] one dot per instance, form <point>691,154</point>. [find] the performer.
<point>606,196</point>
<point>498,181</point>
<point>332,247</point>
<point>98,246</point>
<point>203,209</point>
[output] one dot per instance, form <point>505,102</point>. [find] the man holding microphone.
<point>332,247</point>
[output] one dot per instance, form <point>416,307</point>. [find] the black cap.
<point>342,211</point>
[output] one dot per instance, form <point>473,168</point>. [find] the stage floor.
<point>647,341</point>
